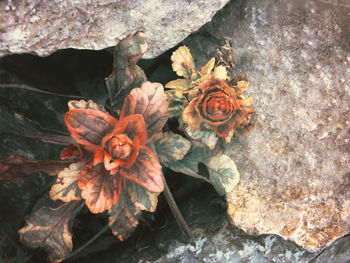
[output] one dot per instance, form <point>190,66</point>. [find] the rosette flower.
<point>218,106</point>
<point>118,146</point>
<point>184,89</point>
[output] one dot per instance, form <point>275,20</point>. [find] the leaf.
<point>208,67</point>
<point>66,186</point>
<point>99,189</point>
<point>223,173</point>
<point>176,103</point>
<point>50,229</point>
<point>72,152</point>
<point>15,167</point>
<point>36,107</point>
<point>145,171</point>
<point>88,105</point>
<point>178,84</point>
<point>152,103</point>
<point>140,196</point>
<point>220,72</point>
<point>171,147</point>
<point>17,124</point>
<point>123,217</point>
<point>206,137</point>
<point>88,125</point>
<point>126,75</point>
<point>189,164</point>
<point>183,63</point>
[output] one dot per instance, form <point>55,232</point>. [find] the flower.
<point>218,105</point>
<point>184,89</point>
<point>118,146</point>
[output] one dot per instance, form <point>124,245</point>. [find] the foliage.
<point>114,155</point>
<point>206,102</point>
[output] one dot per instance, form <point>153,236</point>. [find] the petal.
<point>89,126</point>
<point>152,103</point>
<point>145,171</point>
<point>191,116</point>
<point>99,189</point>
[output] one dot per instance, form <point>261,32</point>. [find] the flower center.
<point>216,106</point>
<point>119,146</point>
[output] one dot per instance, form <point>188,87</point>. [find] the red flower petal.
<point>152,103</point>
<point>145,171</point>
<point>99,189</point>
<point>89,126</point>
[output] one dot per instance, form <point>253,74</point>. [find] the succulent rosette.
<point>183,90</point>
<point>210,106</point>
<point>118,146</point>
<point>218,106</point>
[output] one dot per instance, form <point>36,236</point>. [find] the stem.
<point>175,210</point>
<point>26,87</point>
<point>172,204</point>
<point>78,250</point>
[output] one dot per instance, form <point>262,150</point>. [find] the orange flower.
<point>219,107</point>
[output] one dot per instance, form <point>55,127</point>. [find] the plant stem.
<point>175,210</point>
<point>172,204</point>
<point>78,250</point>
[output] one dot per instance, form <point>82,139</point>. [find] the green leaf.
<point>140,196</point>
<point>124,217</point>
<point>207,137</point>
<point>223,173</point>
<point>38,107</point>
<point>49,228</point>
<point>171,147</point>
<point>189,164</point>
<point>15,167</point>
<point>66,186</point>
<point>176,103</point>
<point>15,123</point>
<point>126,75</point>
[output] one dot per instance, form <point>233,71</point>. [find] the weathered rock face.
<point>42,27</point>
<point>294,167</point>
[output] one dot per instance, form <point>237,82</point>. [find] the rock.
<point>294,167</point>
<point>215,240</point>
<point>42,27</point>
<point>337,252</point>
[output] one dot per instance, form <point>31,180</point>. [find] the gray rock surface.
<point>42,27</point>
<point>294,167</point>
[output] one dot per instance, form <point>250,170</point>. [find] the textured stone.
<point>294,167</point>
<point>42,27</point>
